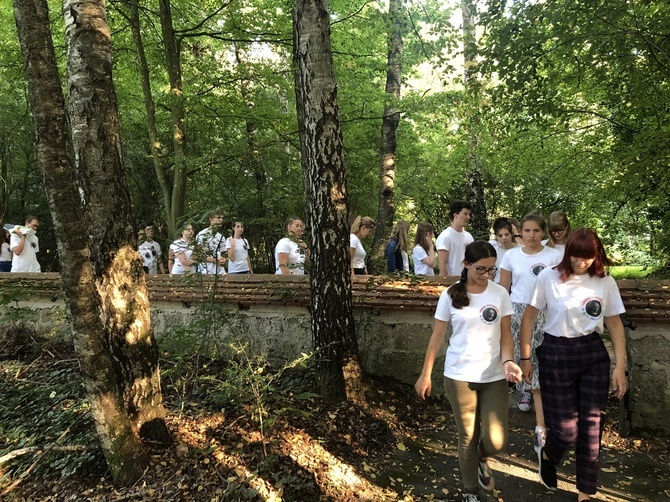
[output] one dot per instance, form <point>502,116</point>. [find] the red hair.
<point>584,243</point>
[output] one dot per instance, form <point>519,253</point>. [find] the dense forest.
<point>517,106</point>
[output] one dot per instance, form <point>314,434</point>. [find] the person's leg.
<point>494,412</point>
<point>593,389</point>
<point>558,376</point>
<point>540,432</point>
<point>463,400</point>
<point>525,396</point>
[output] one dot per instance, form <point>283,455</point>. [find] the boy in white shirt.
<point>451,243</point>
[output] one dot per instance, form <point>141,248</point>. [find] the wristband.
<point>524,359</point>
<point>508,361</point>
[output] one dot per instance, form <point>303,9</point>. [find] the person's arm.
<point>249,265</point>
<point>525,336</point>
<point>505,279</point>
<point>430,258</point>
<point>18,249</point>
<point>618,336</point>
<point>513,372</point>
<point>185,262</point>
<point>170,260</point>
<point>443,258</point>
<point>283,263</point>
<point>424,385</point>
<point>231,248</point>
<point>352,251</point>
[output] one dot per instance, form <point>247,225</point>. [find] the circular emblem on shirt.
<point>488,314</point>
<point>592,308</point>
<point>537,268</point>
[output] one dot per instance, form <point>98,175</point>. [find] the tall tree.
<point>172,45</point>
<point>480,226</point>
<point>119,369</point>
<point>390,120</point>
<point>338,370</point>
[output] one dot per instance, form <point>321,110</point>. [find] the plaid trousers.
<point>574,377</point>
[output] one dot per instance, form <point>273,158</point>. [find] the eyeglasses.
<point>557,230</point>
<point>484,270</point>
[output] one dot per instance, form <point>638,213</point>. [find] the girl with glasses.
<point>478,364</point>
<point>559,231</point>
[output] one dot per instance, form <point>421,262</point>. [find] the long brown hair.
<point>422,237</point>
<point>557,219</point>
<point>401,235</point>
<point>584,243</point>
<point>475,251</point>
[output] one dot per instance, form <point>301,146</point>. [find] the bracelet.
<point>524,359</point>
<point>508,361</point>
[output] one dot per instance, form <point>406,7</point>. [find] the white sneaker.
<point>539,438</point>
<point>470,497</point>
<point>526,400</point>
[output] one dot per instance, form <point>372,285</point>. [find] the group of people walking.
<point>531,313</point>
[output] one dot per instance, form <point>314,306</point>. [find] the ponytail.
<point>458,293</point>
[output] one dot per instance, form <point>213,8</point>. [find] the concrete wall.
<point>393,344</point>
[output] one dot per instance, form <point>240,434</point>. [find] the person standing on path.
<point>451,243</point>
<point>25,245</point>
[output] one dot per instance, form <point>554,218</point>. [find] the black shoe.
<point>485,476</point>
<point>547,472</point>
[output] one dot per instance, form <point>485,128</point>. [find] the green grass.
<point>630,272</point>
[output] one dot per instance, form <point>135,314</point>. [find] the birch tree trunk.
<point>387,156</point>
<point>479,225</point>
<point>117,266</point>
<point>338,371</point>
<point>119,442</point>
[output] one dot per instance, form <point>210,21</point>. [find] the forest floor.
<point>244,432</point>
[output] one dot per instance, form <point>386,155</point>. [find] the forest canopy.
<point>569,105</point>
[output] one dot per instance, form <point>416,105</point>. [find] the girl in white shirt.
<point>520,268</point>
<point>182,249</point>
<point>238,251</point>
<point>559,231</point>
<point>478,364</point>
<point>503,242</point>
<point>291,252</point>
<point>578,298</point>
<point>423,253</point>
<point>361,228</point>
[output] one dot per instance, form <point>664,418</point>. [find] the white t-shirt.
<point>454,242</point>
<point>405,260</point>
<point>5,253</point>
<point>358,260</point>
<point>525,268</point>
<point>420,268</point>
<point>557,247</point>
<point>296,256</point>
<point>181,246</point>
<point>241,253</point>
<point>474,347</point>
<point>27,260</point>
<point>577,306</point>
<point>213,246</point>
<point>151,252</point>
<point>500,252</point>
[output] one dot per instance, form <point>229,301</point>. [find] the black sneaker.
<point>485,476</point>
<point>547,472</point>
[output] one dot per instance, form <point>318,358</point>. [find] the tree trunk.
<point>387,157</point>
<point>149,106</point>
<point>117,266</point>
<point>120,445</point>
<point>338,370</point>
<point>173,61</point>
<point>479,225</point>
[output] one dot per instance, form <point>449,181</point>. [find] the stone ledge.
<point>646,301</point>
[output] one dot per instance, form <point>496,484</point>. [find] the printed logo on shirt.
<point>592,307</point>
<point>488,314</point>
<point>537,268</point>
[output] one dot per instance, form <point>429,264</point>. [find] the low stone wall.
<point>394,324</point>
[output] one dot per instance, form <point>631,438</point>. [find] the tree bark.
<point>338,371</point>
<point>479,225</point>
<point>150,108</point>
<point>117,266</point>
<point>387,156</point>
<point>177,108</point>
<point>120,445</point>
